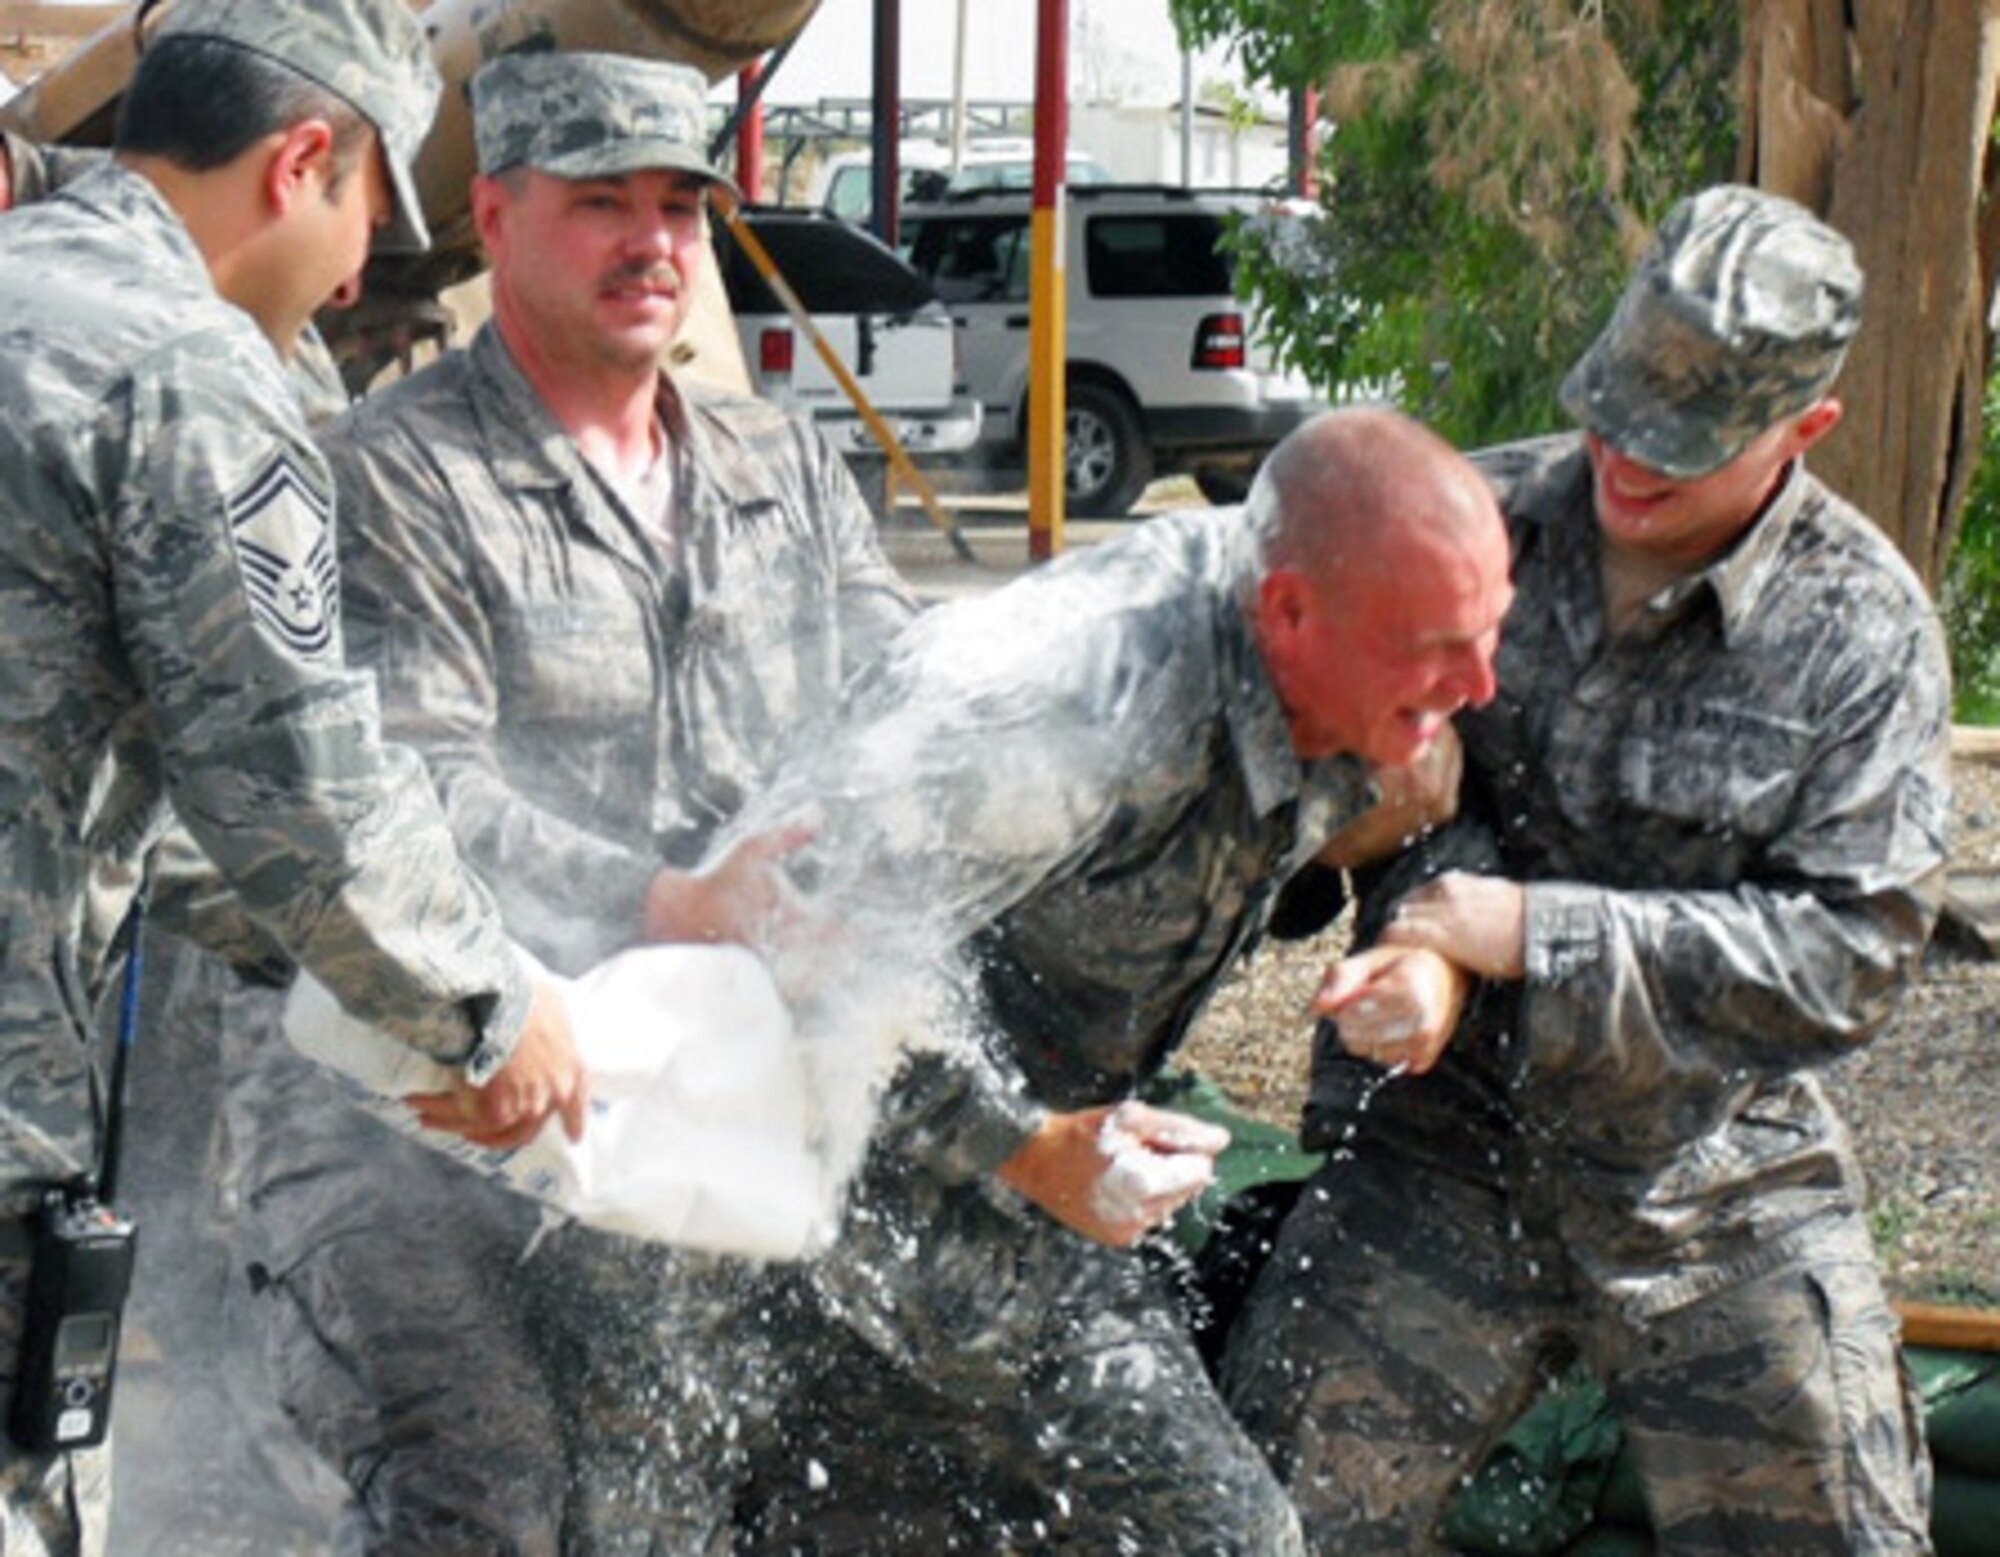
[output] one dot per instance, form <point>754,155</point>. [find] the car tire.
<point>1107,461</point>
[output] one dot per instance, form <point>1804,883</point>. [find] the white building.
<point>1142,145</point>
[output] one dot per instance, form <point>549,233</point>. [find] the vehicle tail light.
<point>774,353</point>
<point>1219,343</point>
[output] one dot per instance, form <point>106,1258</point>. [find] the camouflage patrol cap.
<point>372,53</point>
<point>580,115</point>
<point>1738,317</point>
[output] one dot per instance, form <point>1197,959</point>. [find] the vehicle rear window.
<point>1171,254</point>
<point>834,268</point>
<point>973,259</point>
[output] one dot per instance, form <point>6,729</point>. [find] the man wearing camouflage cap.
<point>171,618</point>
<point>594,594</point>
<point>1701,851</point>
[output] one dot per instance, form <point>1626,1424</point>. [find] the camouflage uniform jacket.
<point>1087,778</point>
<point>38,171</point>
<point>594,698</point>
<point>171,628</point>
<point>1731,819</point>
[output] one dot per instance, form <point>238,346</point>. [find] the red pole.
<point>750,135</point>
<point>1309,147</point>
<point>887,113</point>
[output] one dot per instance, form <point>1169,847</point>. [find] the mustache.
<point>648,273</point>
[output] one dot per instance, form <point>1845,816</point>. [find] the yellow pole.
<point>1047,332</point>
<point>1048,295</point>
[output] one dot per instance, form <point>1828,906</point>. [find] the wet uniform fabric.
<point>1731,819</point>
<point>593,699</point>
<point>1087,778</point>
<point>172,629</point>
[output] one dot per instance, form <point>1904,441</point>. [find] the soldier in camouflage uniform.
<point>171,623</point>
<point>594,596</point>
<point>31,171</point>
<point>1093,782</point>
<point>223,1461</point>
<point>1714,793</point>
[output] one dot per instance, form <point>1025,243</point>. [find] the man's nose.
<point>655,232</point>
<point>1473,679</point>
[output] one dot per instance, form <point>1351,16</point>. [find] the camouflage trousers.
<point>969,1376</point>
<point>583,1400</point>
<point>51,1505</point>
<point>207,1465</point>
<point>400,1349</point>
<point>1401,1324</point>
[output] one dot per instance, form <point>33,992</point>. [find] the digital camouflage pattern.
<point>966,1375</point>
<point>1086,779</point>
<point>170,631</point>
<point>1731,821</point>
<point>373,53</point>
<point>581,115</point>
<point>595,696</point>
<point>37,171</point>
<point>1738,317</point>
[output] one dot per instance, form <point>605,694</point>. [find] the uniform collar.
<point>1741,575</point>
<point>118,194</point>
<point>1262,741</point>
<point>527,448</point>
<point>1736,580</point>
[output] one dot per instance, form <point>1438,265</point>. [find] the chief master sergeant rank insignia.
<point>285,553</point>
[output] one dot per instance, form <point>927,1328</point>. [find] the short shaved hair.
<point>1333,490</point>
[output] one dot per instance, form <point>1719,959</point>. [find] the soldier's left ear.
<point>305,148</point>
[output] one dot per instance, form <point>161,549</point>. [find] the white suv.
<point>1165,367</point>
<point>880,317</point>
<point>845,186</point>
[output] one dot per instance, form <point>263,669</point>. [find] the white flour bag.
<point>700,1130</point>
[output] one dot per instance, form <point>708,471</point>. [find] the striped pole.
<point>1048,327</point>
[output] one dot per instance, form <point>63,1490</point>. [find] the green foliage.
<point>1491,170</point>
<point>1970,599</point>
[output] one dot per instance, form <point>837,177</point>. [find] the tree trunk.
<point>1879,115</point>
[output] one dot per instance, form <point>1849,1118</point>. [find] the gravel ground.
<point>1923,1100</point>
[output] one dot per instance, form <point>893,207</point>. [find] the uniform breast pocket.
<point>1712,767</point>
<point>574,664</point>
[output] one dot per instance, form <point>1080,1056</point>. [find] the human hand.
<point>1415,798</point>
<point>1115,1172</point>
<point>1478,922</point>
<point>1395,1005</point>
<point>543,1076</point>
<point>741,897</point>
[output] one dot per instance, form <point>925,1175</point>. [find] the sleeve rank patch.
<point>284,551</point>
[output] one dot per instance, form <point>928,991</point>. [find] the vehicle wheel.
<point>1108,461</point>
